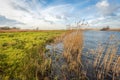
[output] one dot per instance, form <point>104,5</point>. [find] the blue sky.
<point>56,14</point>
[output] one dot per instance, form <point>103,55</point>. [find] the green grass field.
<point>22,54</point>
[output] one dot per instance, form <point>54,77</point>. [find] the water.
<point>91,41</point>
<point>93,38</point>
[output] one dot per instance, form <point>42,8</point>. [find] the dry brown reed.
<point>73,44</point>
<point>60,38</point>
<point>106,62</point>
<point>70,66</point>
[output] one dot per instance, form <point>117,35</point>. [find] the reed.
<point>100,64</point>
<point>105,62</point>
<point>73,44</point>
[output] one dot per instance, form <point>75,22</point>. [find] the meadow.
<point>22,54</point>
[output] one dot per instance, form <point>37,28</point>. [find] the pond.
<point>93,38</point>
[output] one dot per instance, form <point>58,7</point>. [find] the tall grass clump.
<point>36,66</point>
<point>107,62</point>
<point>73,44</point>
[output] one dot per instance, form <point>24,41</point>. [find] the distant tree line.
<point>105,28</point>
<point>8,28</point>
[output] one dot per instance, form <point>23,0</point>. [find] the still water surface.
<point>93,38</point>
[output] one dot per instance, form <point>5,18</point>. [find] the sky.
<point>56,14</point>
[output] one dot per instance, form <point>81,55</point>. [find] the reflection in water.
<point>93,38</point>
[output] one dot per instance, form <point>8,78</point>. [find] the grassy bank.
<point>22,54</point>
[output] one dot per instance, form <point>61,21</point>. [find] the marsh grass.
<point>68,66</point>
<point>100,64</point>
<point>107,62</point>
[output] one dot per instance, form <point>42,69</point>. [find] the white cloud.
<point>103,4</point>
<point>112,21</point>
<point>34,14</point>
<point>105,8</point>
<point>56,13</point>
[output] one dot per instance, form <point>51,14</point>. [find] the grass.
<point>22,55</point>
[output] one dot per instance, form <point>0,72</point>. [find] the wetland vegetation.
<point>24,56</point>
